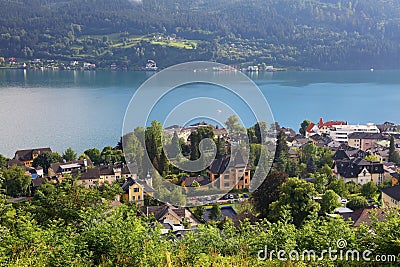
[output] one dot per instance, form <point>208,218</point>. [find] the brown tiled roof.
<point>363,215</point>
<point>106,169</point>
<point>14,162</point>
<point>202,180</point>
<point>38,181</point>
<point>393,192</point>
<point>90,173</point>
<point>129,168</point>
<point>27,154</point>
<point>56,167</point>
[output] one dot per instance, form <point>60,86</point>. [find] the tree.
<point>326,170</point>
<point>329,201</point>
<point>268,192</point>
<point>134,151</point>
<point>69,154</point>
<point>195,184</point>
<point>46,159</point>
<point>111,156</point>
<point>83,156</point>
<point>393,154</point>
<point>311,165</point>
<point>281,152</point>
<point>296,196</point>
<point>174,149</point>
<point>369,190</point>
<point>303,127</point>
<point>194,145</point>
<point>353,188</point>
<point>3,162</point>
<point>371,158</point>
<point>199,212</point>
<point>320,182</point>
<point>232,125</point>
<point>94,155</point>
<point>153,137</point>
<point>339,188</point>
<point>163,164</point>
<point>215,212</point>
<point>357,202</point>
<point>16,182</point>
<point>220,144</point>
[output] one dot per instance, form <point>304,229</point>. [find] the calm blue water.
<point>85,109</point>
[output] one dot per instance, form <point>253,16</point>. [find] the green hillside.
<point>326,34</point>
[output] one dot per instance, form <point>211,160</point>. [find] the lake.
<point>85,109</point>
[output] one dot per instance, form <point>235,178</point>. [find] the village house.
<point>364,141</point>
<point>364,216</point>
<point>391,196</point>
<point>297,141</point>
<point>59,170</point>
<point>172,219</point>
<point>97,176</point>
<point>294,155</point>
<point>320,140</point>
<point>340,133</point>
<point>311,129</point>
<point>391,172</point>
<point>227,174</point>
<point>359,171</point>
<point>350,165</point>
<point>135,189</point>
<point>89,178</point>
<point>388,127</point>
<point>289,132</point>
<point>27,156</point>
<point>325,127</point>
<point>187,181</point>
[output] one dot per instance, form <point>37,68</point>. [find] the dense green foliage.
<point>15,182</point>
<point>45,159</point>
<point>69,154</point>
<point>326,34</point>
<point>69,225</point>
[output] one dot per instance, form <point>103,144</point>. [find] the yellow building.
<point>28,155</point>
<point>391,196</point>
<point>225,174</point>
<point>136,189</point>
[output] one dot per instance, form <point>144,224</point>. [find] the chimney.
<point>85,163</point>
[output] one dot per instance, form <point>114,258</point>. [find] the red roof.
<point>310,127</point>
<point>330,124</point>
<point>320,123</point>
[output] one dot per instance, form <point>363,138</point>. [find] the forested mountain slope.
<point>326,34</point>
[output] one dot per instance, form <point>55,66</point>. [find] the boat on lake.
<point>151,65</point>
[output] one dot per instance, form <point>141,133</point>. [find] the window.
<point>226,176</point>
<point>246,181</point>
<point>226,184</point>
<point>138,197</point>
<point>136,190</point>
<point>380,180</point>
<point>133,198</point>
